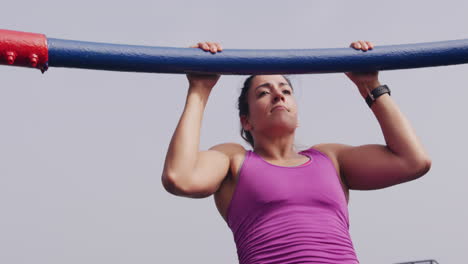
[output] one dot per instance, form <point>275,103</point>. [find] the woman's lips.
<point>280,107</point>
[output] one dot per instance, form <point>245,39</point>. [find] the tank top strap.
<point>315,151</point>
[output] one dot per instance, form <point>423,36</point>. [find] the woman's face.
<point>272,106</point>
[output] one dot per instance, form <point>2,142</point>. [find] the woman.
<point>285,206</point>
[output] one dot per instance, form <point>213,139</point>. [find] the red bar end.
<point>23,49</point>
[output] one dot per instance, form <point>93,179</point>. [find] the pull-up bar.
<point>38,51</point>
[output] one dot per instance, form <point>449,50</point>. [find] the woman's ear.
<point>245,123</point>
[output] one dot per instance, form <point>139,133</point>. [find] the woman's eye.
<point>287,91</point>
<point>262,93</point>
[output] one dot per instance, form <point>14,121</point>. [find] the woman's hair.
<point>243,105</point>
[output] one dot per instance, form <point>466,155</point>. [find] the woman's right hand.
<point>205,81</point>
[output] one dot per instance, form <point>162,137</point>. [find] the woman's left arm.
<point>377,166</point>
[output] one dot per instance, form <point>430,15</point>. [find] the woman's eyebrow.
<point>268,84</point>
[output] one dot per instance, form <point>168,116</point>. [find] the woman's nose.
<point>278,96</point>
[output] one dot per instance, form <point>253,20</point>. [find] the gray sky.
<point>81,151</point>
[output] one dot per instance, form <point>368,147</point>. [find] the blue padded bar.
<point>132,58</point>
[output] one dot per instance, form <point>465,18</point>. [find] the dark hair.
<point>243,106</point>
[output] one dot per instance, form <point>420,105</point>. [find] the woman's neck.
<point>275,148</point>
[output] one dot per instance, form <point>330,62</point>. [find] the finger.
<point>364,46</point>
<point>220,48</point>
<point>203,46</point>
<point>213,47</point>
<point>206,46</point>
<point>354,45</point>
<point>370,44</point>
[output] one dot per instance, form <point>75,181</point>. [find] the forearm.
<point>184,146</point>
<point>399,135</point>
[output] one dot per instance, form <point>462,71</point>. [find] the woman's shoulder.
<point>230,149</point>
<point>329,149</point>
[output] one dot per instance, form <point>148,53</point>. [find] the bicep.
<point>372,166</point>
<point>211,169</point>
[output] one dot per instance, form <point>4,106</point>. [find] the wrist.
<point>197,93</point>
<point>199,89</point>
<point>376,93</point>
<point>366,88</point>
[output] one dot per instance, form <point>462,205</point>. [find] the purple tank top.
<point>290,214</point>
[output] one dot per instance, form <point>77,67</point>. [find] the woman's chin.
<point>280,128</point>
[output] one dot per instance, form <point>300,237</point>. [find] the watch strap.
<point>375,93</point>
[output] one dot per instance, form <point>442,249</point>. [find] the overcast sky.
<point>81,151</point>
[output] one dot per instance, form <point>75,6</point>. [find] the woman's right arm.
<point>188,171</point>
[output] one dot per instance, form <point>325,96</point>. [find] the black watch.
<point>375,93</point>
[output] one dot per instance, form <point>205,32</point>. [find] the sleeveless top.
<point>290,214</point>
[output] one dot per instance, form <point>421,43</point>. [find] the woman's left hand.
<point>365,81</point>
